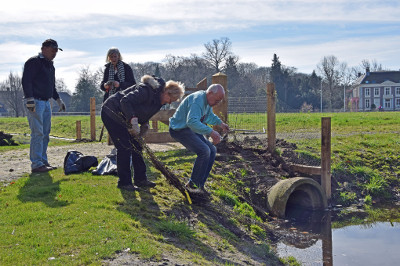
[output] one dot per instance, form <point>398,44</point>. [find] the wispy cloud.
<point>100,18</point>
<point>305,57</point>
<point>301,32</point>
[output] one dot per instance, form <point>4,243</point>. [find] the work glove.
<point>134,130</point>
<point>160,81</point>
<point>30,104</point>
<point>109,85</point>
<point>216,137</point>
<point>61,104</point>
<point>143,129</point>
<point>225,127</point>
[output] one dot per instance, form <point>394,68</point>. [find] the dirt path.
<point>15,163</point>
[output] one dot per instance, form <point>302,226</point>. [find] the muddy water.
<point>317,243</point>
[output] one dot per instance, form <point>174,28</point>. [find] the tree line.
<point>295,91</point>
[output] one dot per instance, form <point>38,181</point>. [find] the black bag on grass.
<point>76,162</point>
<point>108,166</point>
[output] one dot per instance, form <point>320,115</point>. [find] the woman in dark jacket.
<point>117,76</point>
<point>123,112</point>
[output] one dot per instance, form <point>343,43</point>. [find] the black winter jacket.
<point>129,79</point>
<point>140,100</point>
<point>38,79</point>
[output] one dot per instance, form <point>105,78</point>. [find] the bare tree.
<point>329,69</point>
<point>346,78</point>
<point>193,70</point>
<point>217,52</point>
<point>372,66</point>
<point>13,94</point>
<point>173,65</point>
<point>141,69</point>
<point>61,86</point>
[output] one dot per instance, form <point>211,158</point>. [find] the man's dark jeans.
<point>128,150</point>
<point>204,149</point>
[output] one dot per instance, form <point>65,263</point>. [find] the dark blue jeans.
<point>128,151</point>
<point>204,149</point>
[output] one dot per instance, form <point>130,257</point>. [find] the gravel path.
<point>15,163</point>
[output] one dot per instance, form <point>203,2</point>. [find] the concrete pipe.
<point>304,192</point>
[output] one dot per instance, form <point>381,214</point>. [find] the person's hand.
<point>216,137</point>
<point>108,85</point>
<point>30,104</point>
<point>61,104</point>
<point>116,84</point>
<point>143,129</point>
<point>134,130</point>
<point>225,127</point>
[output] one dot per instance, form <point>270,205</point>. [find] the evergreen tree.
<point>88,86</point>
<point>234,80</point>
<point>276,76</point>
<point>157,72</point>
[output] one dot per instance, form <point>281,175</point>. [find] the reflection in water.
<point>311,240</point>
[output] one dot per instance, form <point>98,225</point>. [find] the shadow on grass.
<point>216,218</point>
<point>41,188</point>
<point>180,156</point>
<point>142,207</point>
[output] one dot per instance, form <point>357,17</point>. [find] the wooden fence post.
<point>221,109</point>
<point>271,116</point>
<point>78,130</point>
<point>92,118</point>
<point>326,156</point>
<point>202,85</point>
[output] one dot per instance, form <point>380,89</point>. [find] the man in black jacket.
<point>38,83</point>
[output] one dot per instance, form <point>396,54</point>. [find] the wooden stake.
<point>78,130</point>
<point>92,118</point>
<point>326,156</point>
<point>271,117</point>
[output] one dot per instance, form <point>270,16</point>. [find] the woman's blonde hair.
<point>175,89</point>
<point>113,50</point>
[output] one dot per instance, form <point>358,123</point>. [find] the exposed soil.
<point>262,170</point>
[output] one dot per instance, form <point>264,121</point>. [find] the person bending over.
<point>123,112</point>
<point>189,125</point>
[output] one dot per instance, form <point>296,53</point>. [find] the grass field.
<point>364,144</point>
<point>84,219</point>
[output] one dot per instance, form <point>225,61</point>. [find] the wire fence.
<point>247,114</point>
<point>247,117</point>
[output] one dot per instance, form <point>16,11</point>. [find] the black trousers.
<point>128,151</point>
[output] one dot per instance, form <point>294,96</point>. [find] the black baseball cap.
<point>51,43</point>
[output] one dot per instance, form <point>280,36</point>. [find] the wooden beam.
<point>306,169</point>
<point>163,116</point>
<point>159,137</point>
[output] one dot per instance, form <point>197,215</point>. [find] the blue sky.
<point>300,32</point>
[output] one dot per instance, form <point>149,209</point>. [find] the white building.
<point>375,90</point>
